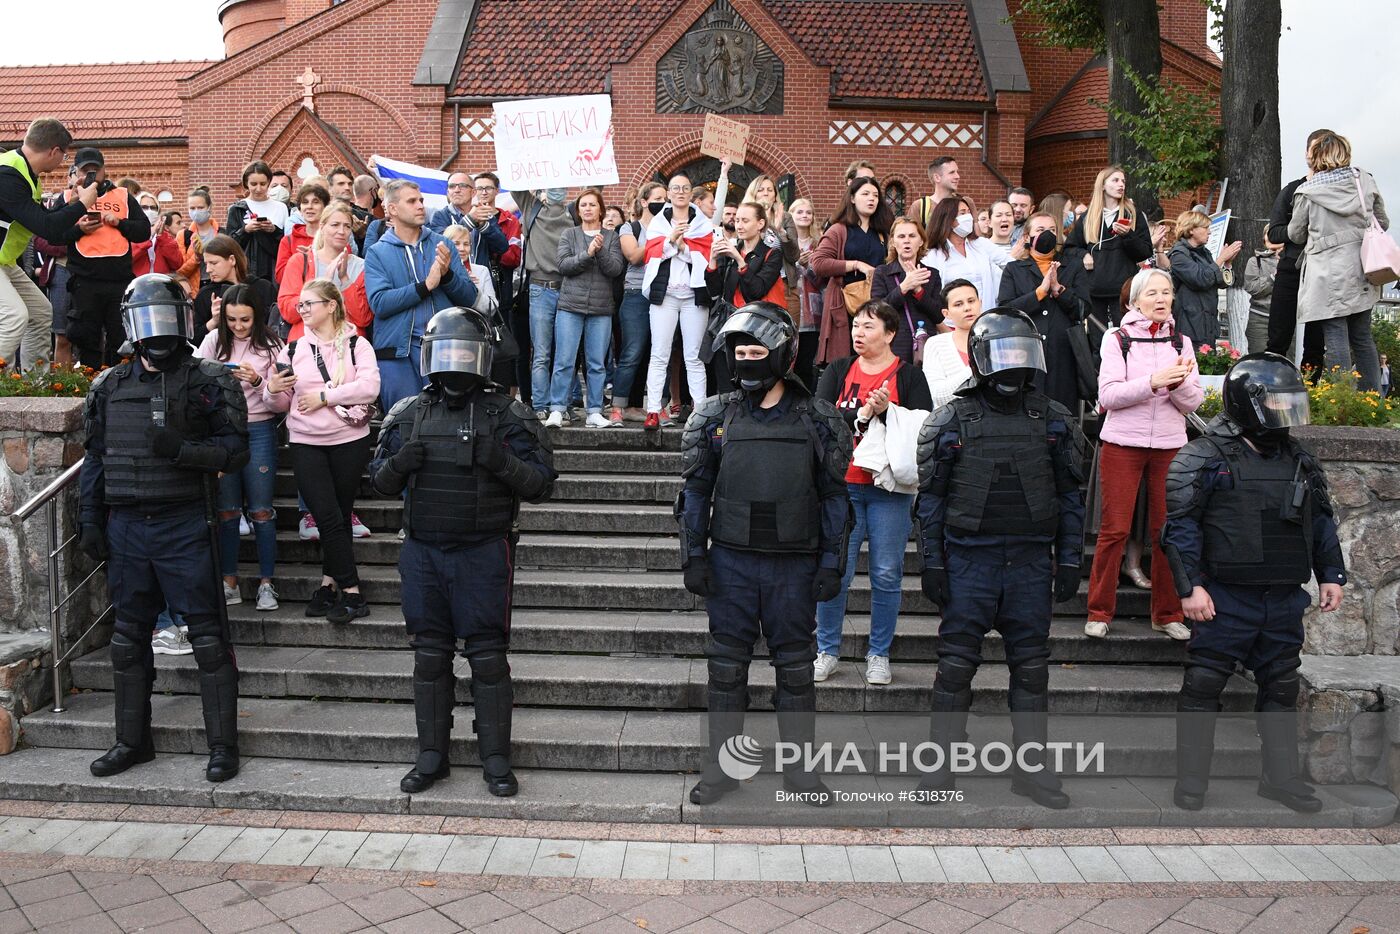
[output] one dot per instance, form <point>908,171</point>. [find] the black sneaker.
<point>350,606</point>
<point>322,601</point>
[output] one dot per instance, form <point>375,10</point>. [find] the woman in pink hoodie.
<point>1147,385</point>
<point>325,382</point>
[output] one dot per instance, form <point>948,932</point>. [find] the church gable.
<point>722,65</point>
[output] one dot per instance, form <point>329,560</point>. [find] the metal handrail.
<point>48,496</point>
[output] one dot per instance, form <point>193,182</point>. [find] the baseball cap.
<point>89,155</point>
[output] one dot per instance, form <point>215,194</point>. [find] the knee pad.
<point>955,674</point>
<point>722,646</point>
<point>1278,690</point>
<point>1203,684</point>
<point>726,674</point>
<point>127,653</point>
<point>489,667</point>
<point>796,679</point>
<point>1031,676</point>
<point>431,663</point>
<point>210,652</point>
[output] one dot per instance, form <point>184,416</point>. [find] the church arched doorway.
<point>704,172</point>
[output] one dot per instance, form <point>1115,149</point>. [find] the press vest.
<point>765,496</point>
<point>450,501</point>
<point>17,236</point>
<point>1260,531</point>
<point>1003,480</point>
<point>107,240</point>
<point>133,474</point>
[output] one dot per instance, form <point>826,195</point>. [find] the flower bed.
<point>59,381</point>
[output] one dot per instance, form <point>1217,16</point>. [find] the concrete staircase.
<point>607,654</point>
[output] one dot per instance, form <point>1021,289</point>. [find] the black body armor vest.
<point>765,496</point>
<point>451,501</point>
<point>1003,480</point>
<point>133,474</point>
<point>1259,532</point>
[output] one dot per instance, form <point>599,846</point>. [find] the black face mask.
<point>754,376</point>
<point>161,352</point>
<point>1044,243</point>
<point>655,207</point>
<point>455,387</point>
<point>1268,440</point>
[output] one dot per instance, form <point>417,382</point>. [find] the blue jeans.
<point>253,485</point>
<point>400,378</point>
<point>883,519</point>
<point>544,303</point>
<point>596,332</point>
<point>635,317</point>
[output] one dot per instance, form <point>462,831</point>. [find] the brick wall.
<point>250,22</point>
<point>161,167</point>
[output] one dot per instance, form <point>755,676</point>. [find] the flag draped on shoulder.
<point>690,261</point>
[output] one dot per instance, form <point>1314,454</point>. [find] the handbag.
<point>1086,366</point>
<point>857,294</point>
<point>1380,255</point>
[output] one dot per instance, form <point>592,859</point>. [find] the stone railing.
<point>39,439</point>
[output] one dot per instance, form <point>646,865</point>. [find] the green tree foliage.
<point>1177,127</point>
<point>1067,24</point>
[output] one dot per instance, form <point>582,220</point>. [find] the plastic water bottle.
<point>920,336</point>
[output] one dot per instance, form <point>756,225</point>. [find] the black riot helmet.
<point>1004,348</point>
<point>458,349</point>
<point>1265,395</point>
<point>759,323</point>
<point>158,317</point>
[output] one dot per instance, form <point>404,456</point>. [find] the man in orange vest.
<point>25,313</point>
<point>99,263</point>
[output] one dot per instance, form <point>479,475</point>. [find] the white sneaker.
<point>243,527</point>
<point>1096,629</point>
<point>1176,631</point>
<point>824,666</point>
<point>306,528</point>
<point>598,420</point>
<point>555,420</point>
<point>267,597</point>
<point>232,595</point>
<point>877,670</point>
<point>172,641</point>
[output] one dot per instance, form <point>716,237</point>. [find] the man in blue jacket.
<point>411,273</point>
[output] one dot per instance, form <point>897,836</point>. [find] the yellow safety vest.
<point>17,236</point>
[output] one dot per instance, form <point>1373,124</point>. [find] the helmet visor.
<point>1009,353</point>
<point>147,321</point>
<point>762,329</point>
<point>472,357</point>
<point>1284,409</point>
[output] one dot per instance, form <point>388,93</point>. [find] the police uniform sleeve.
<point>937,450</point>
<point>1329,565</point>
<point>217,396</point>
<point>700,457</point>
<point>92,506</point>
<point>382,477</point>
<point>838,516</point>
<point>1067,455</point>
<point>529,467</point>
<point>1188,494</point>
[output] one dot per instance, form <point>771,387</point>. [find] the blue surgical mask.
<point>200,217</point>
<point>556,195</point>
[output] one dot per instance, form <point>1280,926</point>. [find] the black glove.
<point>1066,582</point>
<point>826,584</point>
<point>409,458</point>
<point>697,576</point>
<point>489,454</point>
<point>167,443</point>
<point>935,584</point>
<point>92,541</point>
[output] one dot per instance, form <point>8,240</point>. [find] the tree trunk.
<point>1249,114</point>
<point>1133,37</point>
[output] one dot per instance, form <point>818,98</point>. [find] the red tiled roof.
<point>1075,111</point>
<point>136,100</point>
<point>515,48</point>
<point>888,50</point>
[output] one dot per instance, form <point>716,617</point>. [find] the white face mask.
<point>964,225</point>
<point>151,214</point>
<point>279,193</point>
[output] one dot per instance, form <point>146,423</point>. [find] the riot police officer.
<point>160,428</point>
<point>1248,522</point>
<point>763,518</point>
<point>466,454</point>
<point>1002,519</point>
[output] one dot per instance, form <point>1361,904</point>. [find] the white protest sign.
<point>555,142</point>
<point>1219,223</point>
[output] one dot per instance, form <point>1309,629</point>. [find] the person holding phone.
<point>256,222</point>
<point>246,346</point>
<point>1110,238</point>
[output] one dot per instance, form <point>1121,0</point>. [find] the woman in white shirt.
<point>945,355</point>
<point>955,250</point>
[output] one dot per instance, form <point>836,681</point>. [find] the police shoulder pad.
<point>399,411</point>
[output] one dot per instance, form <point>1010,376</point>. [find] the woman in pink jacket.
<point>325,382</point>
<point>1147,385</point>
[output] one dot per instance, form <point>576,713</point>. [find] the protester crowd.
<point>316,296</point>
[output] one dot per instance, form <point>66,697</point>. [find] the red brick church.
<point>820,82</point>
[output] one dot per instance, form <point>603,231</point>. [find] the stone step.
<point>616,486</point>
<point>385,517</point>
<point>594,740</point>
<point>629,438</point>
<point>654,683</point>
<point>653,590</point>
<point>642,797</point>
<point>684,634</point>
<point>646,463</point>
